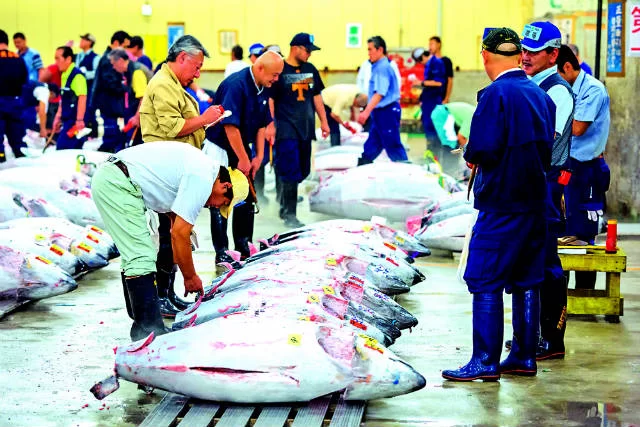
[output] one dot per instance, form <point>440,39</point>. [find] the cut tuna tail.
<point>105,387</point>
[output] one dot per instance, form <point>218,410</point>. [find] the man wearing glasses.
<point>294,98</point>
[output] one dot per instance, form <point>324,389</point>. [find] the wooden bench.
<point>181,411</point>
<point>606,302</point>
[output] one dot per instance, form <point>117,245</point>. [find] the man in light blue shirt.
<point>584,195</point>
<point>383,107</point>
<point>540,48</point>
<point>30,56</point>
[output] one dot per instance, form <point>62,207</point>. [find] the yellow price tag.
<point>367,228</point>
<point>40,237</point>
<point>56,249</point>
<point>85,247</point>
<point>332,262</point>
<point>371,343</point>
<point>313,298</point>
<point>328,290</point>
<point>295,339</point>
<point>305,318</point>
<point>399,239</point>
<point>43,259</point>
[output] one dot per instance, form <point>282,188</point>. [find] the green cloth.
<point>462,114</point>
<point>120,204</point>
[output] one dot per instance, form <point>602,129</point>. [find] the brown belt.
<point>120,165</point>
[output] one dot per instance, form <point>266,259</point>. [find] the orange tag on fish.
<point>93,238</point>
<point>96,229</point>
<point>85,247</point>
<point>390,246</point>
<point>56,249</point>
<point>372,343</point>
<point>43,259</point>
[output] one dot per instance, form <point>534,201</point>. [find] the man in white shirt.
<point>166,177</point>
<point>236,63</point>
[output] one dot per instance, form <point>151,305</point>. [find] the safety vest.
<point>562,144</point>
<point>69,102</point>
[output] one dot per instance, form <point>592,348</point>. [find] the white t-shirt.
<point>234,66</point>
<point>41,93</point>
<point>173,176</point>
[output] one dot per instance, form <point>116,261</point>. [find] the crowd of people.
<point>535,143</point>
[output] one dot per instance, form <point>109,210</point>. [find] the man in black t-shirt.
<point>434,47</point>
<point>294,98</point>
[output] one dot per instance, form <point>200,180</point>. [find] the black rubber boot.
<point>290,202</point>
<point>488,329</point>
<point>219,231</point>
<point>166,270</point>
<point>127,301</point>
<point>553,318</point>
<point>363,161</point>
<point>526,320</point>
<point>258,184</point>
<point>242,225</point>
<point>144,306</point>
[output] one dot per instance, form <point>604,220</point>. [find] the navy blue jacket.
<point>108,89</point>
<point>511,137</point>
<point>239,94</point>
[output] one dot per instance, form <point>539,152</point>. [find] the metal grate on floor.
<point>177,410</point>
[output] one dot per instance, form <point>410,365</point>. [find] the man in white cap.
<point>166,177</point>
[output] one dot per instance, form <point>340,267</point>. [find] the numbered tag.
<point>56,249</point>
<point>43,259</point>
<point>399,239</point>
<point>313,298</point>
<point>372,343</point>
<point>367,228</point>
<point>305,318</point>
<point>331,262</point>
<point>328,290</point>
<point>391,246</point>
<point>295,339</point>
<point>40,237</point>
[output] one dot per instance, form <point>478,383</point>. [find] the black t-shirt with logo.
<point>293,98</point>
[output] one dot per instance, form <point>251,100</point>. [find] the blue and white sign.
<point>615,34</point>
<point>174,32</point>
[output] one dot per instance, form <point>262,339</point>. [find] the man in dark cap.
<point>294,99</point>
<point>510,144</point>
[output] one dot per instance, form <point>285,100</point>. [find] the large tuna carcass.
<point>268,361</point>
<point>368,230</point>
<point>38,244</point>
<point>15,204</point>
<point>447,234</point>
<point>36,183</point>
<point>340,158</point>
<point>84,161</point>
<point>25,277</point>
<point>391,190</point>
<point>83,239</point>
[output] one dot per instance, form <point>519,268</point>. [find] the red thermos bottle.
<point>612,236</point>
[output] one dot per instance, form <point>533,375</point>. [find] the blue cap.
<point>304,39</point>
<point>255,49</point>
<point>541,35</point>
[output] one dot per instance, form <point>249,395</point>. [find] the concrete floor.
<point>55,350</point>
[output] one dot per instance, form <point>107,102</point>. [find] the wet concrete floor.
<point>53,351</point>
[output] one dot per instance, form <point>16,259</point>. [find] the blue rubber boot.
<point>488,330</point>
<point>526,319</point>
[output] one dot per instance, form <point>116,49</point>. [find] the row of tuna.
<point>50,230</point>
<point>308,315</point>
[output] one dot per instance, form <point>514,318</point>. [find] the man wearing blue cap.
<point>540,47</point>
<point>254,51</point>
<point>294,98</point>
<point>584,195</point>
<point>510,145</point>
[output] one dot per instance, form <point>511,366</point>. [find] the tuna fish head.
<point>43,279</point>
<point>380,373</point>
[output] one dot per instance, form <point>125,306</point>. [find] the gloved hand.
<point>593,215</point>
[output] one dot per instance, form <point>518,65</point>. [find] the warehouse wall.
<point>403,23</point>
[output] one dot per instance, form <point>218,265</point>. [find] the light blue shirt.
<point>592,105</point>
<point>33,61</point>
<point>559,95</point>
<point>384,82</point>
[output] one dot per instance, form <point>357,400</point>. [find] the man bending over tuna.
<point>166,177</point>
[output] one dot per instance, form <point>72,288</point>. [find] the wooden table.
<point>606,302</point>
